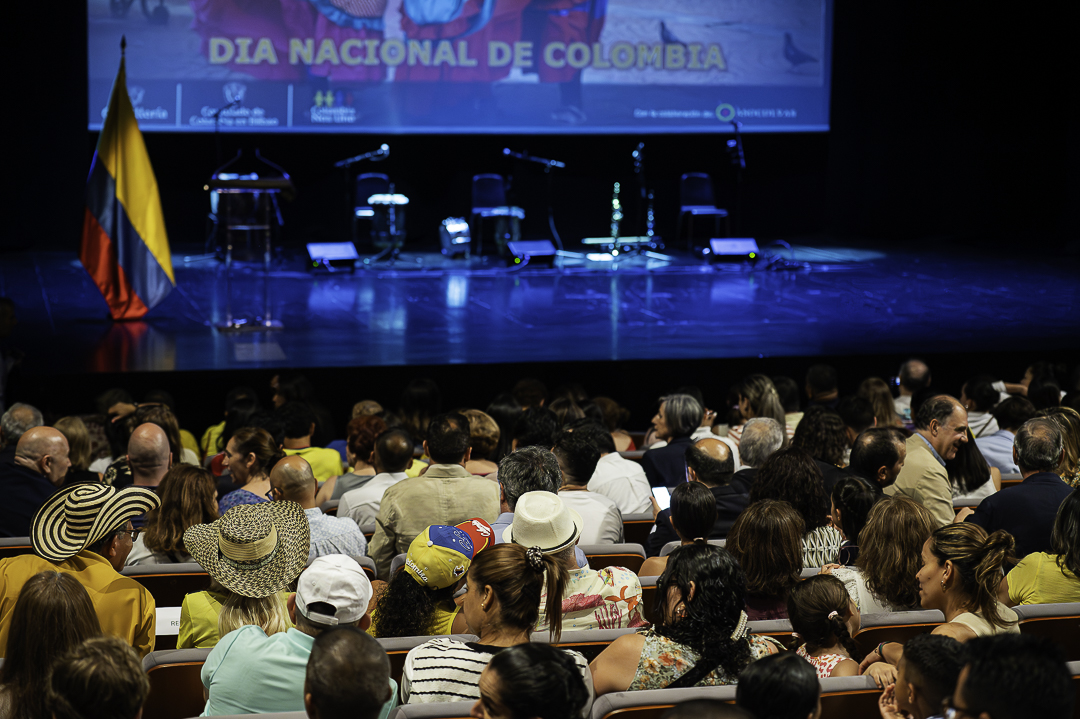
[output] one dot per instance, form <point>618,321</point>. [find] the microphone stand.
<point>738,159</point>
<point>547,165</point>
<point>374,156</point>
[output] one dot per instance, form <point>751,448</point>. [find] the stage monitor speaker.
<point>733,249</point>
<point>533,252</point>
<point>332,256</point>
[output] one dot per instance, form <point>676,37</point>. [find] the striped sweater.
<point>446,670</point>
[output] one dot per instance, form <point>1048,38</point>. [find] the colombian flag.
<point>124,246</point>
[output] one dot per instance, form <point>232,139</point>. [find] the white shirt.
<point>902,405</point>
<point>623,481</point>
<point>707,433</point>
<point>362,504</point>
<point>600,517</point>
<point>982,424</point>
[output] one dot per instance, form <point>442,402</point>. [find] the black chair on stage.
<point>368,184</point>
<point>489,200</point>
<point>696,198</point>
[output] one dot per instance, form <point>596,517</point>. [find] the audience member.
<point>292,480</point>
<point>299,427</point>
<point>79,452</point>
<point>149,459</point>
<point>824,620</point>
<point>1027,510</point>
<point>615,417</point>
<point>679,415</point>
<point>857,415</point>
<point>758,398</point>
<point>621,480</point>
<point>187,498</point>
<point>890,554</point>
<point>1050,577</point>
<point>506,591</point>
<point>85,531</point>
<point>940,429</point>
<point>392,456</point>
<point>960,575</point>
<point>878,455</point>
<point>969,474</point>
<point>691,517</point>
<point>347,676</point>
<point>483,441</point>
<point>531,681</point>
<point>445,494</point>
<point>566,409</point>
<point>1013,677</point>
<point>418,601</point>
<point>239,401</point>
<point>360,446</point>
<point>823,435</point>
<point>601,518</point>
<point>536,427</point>
<point>118,473</point>
<point>249,456</point>
<point>926,675</point>
<point>1068,419</point>
<point>530,393</point>
<point>252,553</point>
<point>40,465</point>
<point>787,390</point>
<point>249,672</point>
<point>101,678</point>
<point>14,423</point>
<point>766,541</point>
<point>914,376</point>
<point>700,637</point>
<point>851,500</point>
<point>790,475</point>
<point>761,438</point>
<point>52,614</point>
<point>876,391</point>
<point>710,464</point>
<point>979,398</point>
<point>1044,394</point>
<point>608,598</point>
<point>506,411</point>
<point>821,386</point>
<point>779,686</point>
<point>997,448</point>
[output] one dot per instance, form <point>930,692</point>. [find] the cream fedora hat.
<point>542,520</point>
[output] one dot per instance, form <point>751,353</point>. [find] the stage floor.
<point>430,311</point>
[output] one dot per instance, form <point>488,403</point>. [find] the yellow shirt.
<point>199,619</point>
<point>445,614</point>
<point>209,443</point>
<point>187,441</point>
<point>1038,579</point>
<point>124,607</point>
<point>325,463</point>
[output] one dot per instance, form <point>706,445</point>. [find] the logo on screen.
<point>234,92</point>
<point>725,112</point>
<point>136,93</point>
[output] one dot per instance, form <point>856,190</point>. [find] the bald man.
<point>41,462</point>
<point>291,480</point>
<point>710,462</point>
<point>148,455</point>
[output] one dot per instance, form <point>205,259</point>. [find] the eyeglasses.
<point>270,494</point>
<point>951,711</point>
<point>133,532</point>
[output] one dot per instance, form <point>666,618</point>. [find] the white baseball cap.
<point>336,580</point>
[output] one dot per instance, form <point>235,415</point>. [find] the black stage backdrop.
<point>952,122</point>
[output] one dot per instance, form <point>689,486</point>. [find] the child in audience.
<point>850,503</point>
<point>102,677</point>
<point>824,620</point>
<point>781,686</point>
<point>926,675</point>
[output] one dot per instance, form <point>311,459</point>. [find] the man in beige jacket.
<point>445,494</point>
<point>940,429</point>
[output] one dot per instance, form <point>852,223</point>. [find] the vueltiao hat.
<point>78,516</point>
<point>254,550</point>
<point>541,519</point>
<point>441,554</point>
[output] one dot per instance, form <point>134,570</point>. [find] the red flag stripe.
<point>98,256</point>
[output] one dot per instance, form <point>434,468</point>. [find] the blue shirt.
<point>334,535</point>
<point>251,673</point>
<point>507,518</point>
<point>932,450</point>
<point>997,450</point>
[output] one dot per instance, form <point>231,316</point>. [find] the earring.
<point>943,589</point>
<point>680,612</point>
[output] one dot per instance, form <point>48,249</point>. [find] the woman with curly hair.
<point>890,549</point>
<point>822,434</point>
<point>791,475</point>
<point>766,541</point>
<point>188,497</point>
<point>1069,420</point>
<point>502,602</point>
<point>701,637</point>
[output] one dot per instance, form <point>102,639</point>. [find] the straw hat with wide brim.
<point>78,516</point>
<point>254,550</point>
